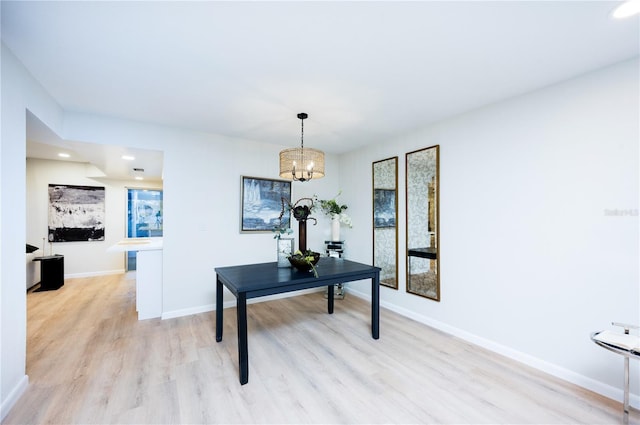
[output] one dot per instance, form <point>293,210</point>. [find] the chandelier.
<point>301,164</point>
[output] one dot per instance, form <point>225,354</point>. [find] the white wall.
<point>81,258</point>
<point>532,260</point>
<point>19,92</point>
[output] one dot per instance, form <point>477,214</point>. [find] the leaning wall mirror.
<point>423,218</point>
<point>385,213</point>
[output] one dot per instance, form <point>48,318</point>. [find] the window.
<point>144,217</point>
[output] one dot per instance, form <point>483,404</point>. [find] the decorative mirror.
<point>423,218</point>
<point>385,213</point>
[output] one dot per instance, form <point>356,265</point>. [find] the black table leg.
<point>375,306</point>
<point>243,349</point>
<point>330,299</point>
<point>218,310</point>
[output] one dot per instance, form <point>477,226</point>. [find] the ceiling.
<point>365,72</point>
<point>106,160</point>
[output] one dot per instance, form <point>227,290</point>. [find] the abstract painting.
<point>262,204</point>
<point>384,208</point>
<point>76,213</point>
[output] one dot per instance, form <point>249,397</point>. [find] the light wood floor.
<point>91,362</point>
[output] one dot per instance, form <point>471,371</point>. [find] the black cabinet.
<point>51,272</point>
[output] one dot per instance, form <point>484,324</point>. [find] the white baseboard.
<point>534,362</point>
<point>232,303</point>
<point>92,274</point>
<point>188,311</point>
<point>13,396</point>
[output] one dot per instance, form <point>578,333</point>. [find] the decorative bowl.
<point>298,261</point>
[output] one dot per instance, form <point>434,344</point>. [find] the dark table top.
<point>430,253</point>
<point>268,278</point>
<point>49,257</point>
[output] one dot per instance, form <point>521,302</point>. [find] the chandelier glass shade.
<point>301,164</point>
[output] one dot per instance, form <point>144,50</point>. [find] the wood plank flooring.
<point>90,361</point>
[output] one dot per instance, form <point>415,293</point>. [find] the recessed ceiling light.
<point>64,155</point>
<point>139,178</point>
<point>627,9</point>
<point>128,157</point>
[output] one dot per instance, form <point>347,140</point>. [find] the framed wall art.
<point>262,204</point>
<point>76,213</point>
<point>384,208</point>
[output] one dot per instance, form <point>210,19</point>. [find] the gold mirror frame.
<point>385,219</point>
<point>423,222</point>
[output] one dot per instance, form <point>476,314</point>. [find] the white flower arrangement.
<point>334,210</point>
<point>344,219</point>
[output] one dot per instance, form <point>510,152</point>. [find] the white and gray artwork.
<point>262,204</point>
<point>76,213</point>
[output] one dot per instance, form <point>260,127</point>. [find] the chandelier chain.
<point>302,134</point>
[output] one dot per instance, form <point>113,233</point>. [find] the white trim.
<point>188,311</point>
<point>232,303</point>
<point>13,397</point>
<point>534,362</point>
<point>92,274</point>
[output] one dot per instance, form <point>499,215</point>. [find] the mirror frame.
<point>433,214</point>
<point>375,229</point>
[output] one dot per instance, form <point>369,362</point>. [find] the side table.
<point>51,272</point>
<point>626,345</point>
<point>335,249</point>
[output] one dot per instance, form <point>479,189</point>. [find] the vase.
<point>335,228</point>
<point>302,234</point>
<point>285,249</point>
